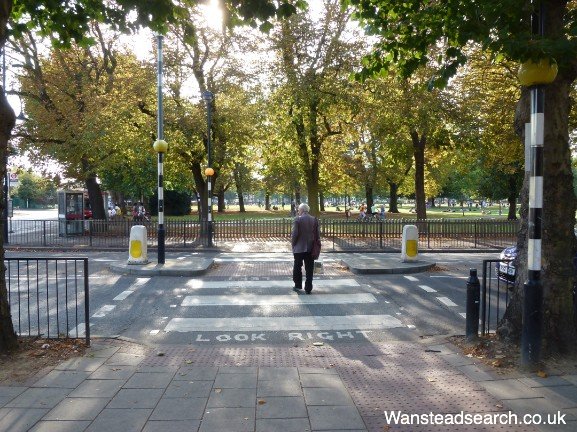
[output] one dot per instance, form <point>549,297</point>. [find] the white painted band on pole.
<point>534,254</point>
<point>527,147</point>
<point>536,192</point>
<point>537,129</point>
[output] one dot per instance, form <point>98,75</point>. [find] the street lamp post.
<point>160,146</point>
<point>208,97</point>
<point>535,75</point>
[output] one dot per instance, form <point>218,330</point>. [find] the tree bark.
<point>393,197</point>
<point>559,205</point>
<point>512,199</point>
<point>239,190</point>
<point>8,338</point>
<point>419,155</point>
<point>369,197</point>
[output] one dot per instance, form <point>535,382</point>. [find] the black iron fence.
<point>336,234</point>
<point>49,297</point>
<point>498,278</point>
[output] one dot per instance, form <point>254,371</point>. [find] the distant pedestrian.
<point>382,212</point>
<point>302,237</point>
<point>293,208</point>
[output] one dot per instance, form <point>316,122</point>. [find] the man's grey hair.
<point>304,207</point>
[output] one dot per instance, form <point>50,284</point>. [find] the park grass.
<point>254,212</point>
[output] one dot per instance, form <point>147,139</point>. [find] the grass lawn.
<point>256,212</point>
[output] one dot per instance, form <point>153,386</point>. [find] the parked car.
<point>506,269</point>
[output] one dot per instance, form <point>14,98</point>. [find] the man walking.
<point>302,243</point>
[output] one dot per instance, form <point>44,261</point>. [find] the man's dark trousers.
<point>298,270</point>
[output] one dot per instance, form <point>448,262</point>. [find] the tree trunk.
<point>369,198</point>
<point>322,200</point>
<point>393,198</point>
<point>559,204</point>
<point>267,200</point>
<point>95,198</point>
<point>512,199</point>
<point>221,205</point>
<point>419,155</point>
<point>432,202</point>
<point>8,339</point>
<point>239,189</point>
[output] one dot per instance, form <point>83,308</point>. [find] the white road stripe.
<point>463,314</point>
<point>140,281</point>
<point>446,301</point>
<point>276,300</point>
<point>348,322</point>
<point>122,295</point>
<point>427,288</point>
<point>321,283</point>
<point>103,311</point>
<point>411,278</point>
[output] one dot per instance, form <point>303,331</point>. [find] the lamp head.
<point>209,172</point>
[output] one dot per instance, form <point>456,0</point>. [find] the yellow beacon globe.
<point>535,73</point>
<point>160,146</point>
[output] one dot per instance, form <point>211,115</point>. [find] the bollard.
<point>410,249</point>
<point>137,249</point>
<point>473,303</point>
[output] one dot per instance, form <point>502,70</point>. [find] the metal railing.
<point>494,294</point>
<point>336,234</point>
<point>49,297</point>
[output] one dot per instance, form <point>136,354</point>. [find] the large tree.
<point>409,31</point>
<point>69,21</point>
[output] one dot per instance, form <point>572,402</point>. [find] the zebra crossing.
<point>267,310</point>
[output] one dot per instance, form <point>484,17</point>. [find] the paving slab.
<point>283,425</point>
<point>77,409</point>
<point>39,398</point>
<point>333,418</point>
<point>113,372</point>
<point>102,388</point>
<point>509,389</point>
<point>21,419</point>
<point>232,398</point>
<point>278,373</point>
<point>61,426</point>
<point>149,380</point>
<point>179,409</point>
<point>230,380</point>
<point>62,378</point>
<point>196,373</point>
<point>136,398</point>
<point>172,426</point>
<point>9,393</point>
<point>281,407</point>
<point>120,420</point>
<point>228,419</point>
<point>280,387</point>
<point>327,396</point>
<point>190,389</point>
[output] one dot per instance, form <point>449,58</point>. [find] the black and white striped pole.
<point>208,97</point>
<point>535,75</point>
<point>160,146</point>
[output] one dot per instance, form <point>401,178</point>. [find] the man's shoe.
<point>308,291</point>
<point>297,289</point>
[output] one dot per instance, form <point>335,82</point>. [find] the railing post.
<point>484,300</point>
<point>473,297</point>
<point>86,304</point>
<point>44,233</point>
